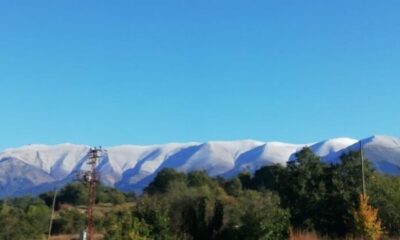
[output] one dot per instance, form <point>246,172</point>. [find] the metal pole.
<point>52,213</point>
<point>94,155</point>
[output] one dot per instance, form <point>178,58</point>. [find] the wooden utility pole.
<point>362,169</point>
<point>52,213</point>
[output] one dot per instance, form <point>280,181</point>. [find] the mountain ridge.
<point>37,167</point>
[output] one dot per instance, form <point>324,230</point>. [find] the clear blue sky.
<point>142,72</point>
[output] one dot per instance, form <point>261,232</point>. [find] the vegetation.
<point>23,218</point>
<point>306,197</point>
<point>366,218</point>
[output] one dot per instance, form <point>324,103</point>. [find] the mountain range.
<point>32,169</point>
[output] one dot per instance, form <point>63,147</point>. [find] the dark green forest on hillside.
<point>273,203</point>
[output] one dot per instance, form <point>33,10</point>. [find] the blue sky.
<point>144,72</point>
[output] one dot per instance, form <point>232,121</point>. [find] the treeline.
<point>306,195</point>
<point>28,218</point>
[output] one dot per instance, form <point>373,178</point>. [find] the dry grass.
<point>303,235</point>
<point>64,237</point>
<point>73,237</point>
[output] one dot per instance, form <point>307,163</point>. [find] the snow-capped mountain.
<point>37,168</point>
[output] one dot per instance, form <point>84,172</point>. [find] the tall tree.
<point>163,179</point>
<point>367,223</point>
<point>306,189</point>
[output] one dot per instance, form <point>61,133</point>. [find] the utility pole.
<point>94,155</point>
<point>52,213</point>
<point>91,176</point>
<point>362,169</point>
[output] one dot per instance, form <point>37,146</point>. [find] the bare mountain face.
<point>37,168</point>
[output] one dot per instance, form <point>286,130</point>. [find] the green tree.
<point>274,178</point>
<point>154,213</point>
<point>163,179</point>
<point>109,195</point>
<point>217,221</point>
<point>347,185</point>
<point>75,194</point>
<point>195,215</point>
<point>233,187</point>
<point>255,215</point>
<point>120,224</point>
<point>245,179</point>
<point>38,216</point>
<point>385,195</point>
<point>306,189</point>
<point>14,225</point>
<point>70,221</point>
<point>198,178</point>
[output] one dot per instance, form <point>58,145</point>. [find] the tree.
<point>345,187</point>
<point>155,213</point>
<point>217,220</point>
<point>198,178</point>
<point>109,195</point>
<point>14,225</point>
<point>195,215</point>
<point>366,218</point>
<point>385,195</point>
<point>255,215</point>
<point>163,179</point>
<point>348,176</point>
<point>245,179</point>
<point>38,216</point>
<point>71,221</point>
<point>120,224</point>
<point>75,194</point>
<point>271,177</point>
<point>274,178</point>
<point>306,189</point>
<point>233,187</point>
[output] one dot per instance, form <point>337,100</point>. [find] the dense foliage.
<point>306,195</point>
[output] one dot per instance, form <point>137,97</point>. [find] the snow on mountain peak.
<point>330,146</point>
<point>132,167</point>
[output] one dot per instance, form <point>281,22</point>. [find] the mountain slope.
<point>36,168</point>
